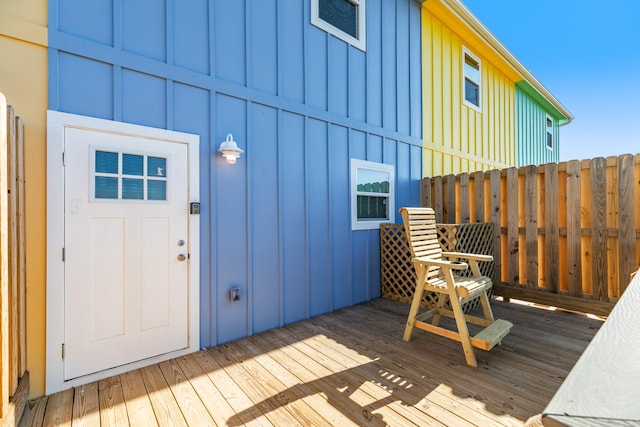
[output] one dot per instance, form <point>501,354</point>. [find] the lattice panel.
<point>398,276</point>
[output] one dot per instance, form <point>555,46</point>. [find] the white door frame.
<point>56,124</point>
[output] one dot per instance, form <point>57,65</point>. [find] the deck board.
<point>86,408</point>
<point>218,407</point>
<point>163,401</point>
<point>113,411</point>
<point>349,367</point>
<point>137,400</point>
<point>231,392</point>
<point>193,409</point>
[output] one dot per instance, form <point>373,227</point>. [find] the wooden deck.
<point>349,367</point>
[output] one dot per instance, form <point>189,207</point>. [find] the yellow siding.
<point>456,137</point>
<point>23,67</point>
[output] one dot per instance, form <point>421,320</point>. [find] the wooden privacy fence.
<point>14,382</point>
<point>564,234</point>
<point>398,277</point>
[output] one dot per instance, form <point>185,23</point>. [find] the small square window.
<point>472,77</point>
<point>372,194</point>
<point>345,19</point>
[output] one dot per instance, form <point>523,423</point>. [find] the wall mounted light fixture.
<point>230,150</point>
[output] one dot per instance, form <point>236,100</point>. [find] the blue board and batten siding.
<point>300,102</point>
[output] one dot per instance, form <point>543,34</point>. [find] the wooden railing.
<point>564,234</point>
<point>14,383</point>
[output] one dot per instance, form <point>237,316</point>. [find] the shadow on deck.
<point>349,367</point>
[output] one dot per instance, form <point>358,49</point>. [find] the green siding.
<point>531,118</point>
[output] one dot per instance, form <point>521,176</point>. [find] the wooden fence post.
<point>574,234</point>
<point>494,209</point>
<point>438,203</point>
<point>600,287</point>
<point>450,199</point>
<point>626,220</point>
<point>552,229</point>
<point>513,261</point>
<point>425,193</point>
<point>4,262</point>
<point>465,209</point>
<point>531,225</point>
<point>14,325</point>
<point>479,197</point>
<point>22,248</point>
<point>13,391</point>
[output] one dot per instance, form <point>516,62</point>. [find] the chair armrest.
<point>477,257</point>
<point>456,265</point>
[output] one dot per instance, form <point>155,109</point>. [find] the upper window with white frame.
<point>344,19</point>
<point>471,79</point>
<point>372,194</point>
<point>549,132</point>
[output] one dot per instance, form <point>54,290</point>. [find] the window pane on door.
<point>106,162</point>
<point>157,166</point>
<point>132,164</point>
<point>106,187</point>
<point>156,190</point>
<point>132,189</point>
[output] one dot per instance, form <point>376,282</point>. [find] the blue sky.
<point>587,53</point>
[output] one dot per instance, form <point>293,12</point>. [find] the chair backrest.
<point>422,235</point>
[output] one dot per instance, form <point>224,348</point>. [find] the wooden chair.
<point>435,273</point>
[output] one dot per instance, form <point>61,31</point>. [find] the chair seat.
<point>467,288</point>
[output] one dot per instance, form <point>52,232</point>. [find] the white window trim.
<point>378,167</point>
<point>553,139</point>
<point>478,108</point>
<point>361,41</point>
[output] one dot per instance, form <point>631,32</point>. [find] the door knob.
<point>182,257</point>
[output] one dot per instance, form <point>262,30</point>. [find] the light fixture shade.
<point>229,149</point>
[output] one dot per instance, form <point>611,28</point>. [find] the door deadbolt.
<point>180,242</point>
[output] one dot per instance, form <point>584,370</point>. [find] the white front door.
<point>126,232</point>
